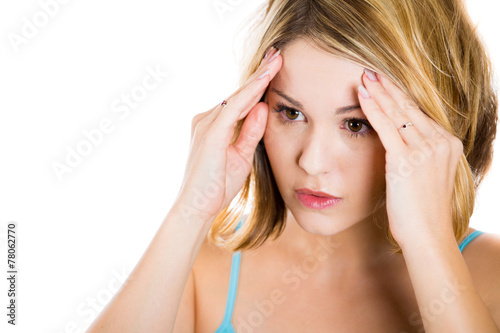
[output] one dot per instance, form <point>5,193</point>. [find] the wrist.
<point>426,239</point>
<point>187,215</point>
<point>194,207</point>
<point>188,229</point>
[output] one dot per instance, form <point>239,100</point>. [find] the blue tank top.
<point>227,327</point>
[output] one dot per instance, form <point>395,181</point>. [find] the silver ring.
<point>405,126</point>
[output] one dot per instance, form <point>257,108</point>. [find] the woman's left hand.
<point>421,161</point>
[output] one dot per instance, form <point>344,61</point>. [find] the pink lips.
<point>316,199</point>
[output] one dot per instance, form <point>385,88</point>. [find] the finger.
<point>252,131</point>
<point>197,119</point>
<point>389,136</point>
<point>273,53</point>
<point>240,104</point>
<point>429,128</point>
<point>204,119</point>
<point>410,135</point>
<point>425,123</point>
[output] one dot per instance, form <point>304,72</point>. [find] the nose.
<point>317,155</point>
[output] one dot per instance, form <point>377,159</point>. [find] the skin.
<point>331,270</point>
<point>320,151</point>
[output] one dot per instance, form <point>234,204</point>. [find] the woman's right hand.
<point>216,170</point>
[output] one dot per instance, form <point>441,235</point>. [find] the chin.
<point>321,222</point>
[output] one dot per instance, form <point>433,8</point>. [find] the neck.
<point>360,248</point>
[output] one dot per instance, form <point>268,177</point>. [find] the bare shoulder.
<point>211,256</point>
<point>211,271</point>
<point>482,256</point>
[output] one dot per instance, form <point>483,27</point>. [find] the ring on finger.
<point>405,126</point>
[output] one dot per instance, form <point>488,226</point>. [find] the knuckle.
<point>231,100</point>
<point>386,125</point>
<point>457,145</point>
<point>194,123</point>
<point>398,112</point>
<point>444,148</point>
<point>450,144</point>
<point>410,104</point>
<point>395,112</point>
<point>195,120</point>
<point>199,118</point>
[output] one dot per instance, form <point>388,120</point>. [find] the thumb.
<point>252,131</point>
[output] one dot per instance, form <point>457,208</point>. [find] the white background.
<point>80,237</point>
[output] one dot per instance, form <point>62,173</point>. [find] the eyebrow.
<point>339,111</point>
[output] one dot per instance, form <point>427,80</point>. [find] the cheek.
<point>359,162</point>
<point>365,172</point>
<point>275,130</point>
<point>279,140</point>
<point>281,149</point>
<point>273,142</point>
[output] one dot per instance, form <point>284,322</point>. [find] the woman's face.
<point>323,143</point>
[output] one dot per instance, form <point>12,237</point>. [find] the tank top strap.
<point>468,239</point>
<point>226,325</point>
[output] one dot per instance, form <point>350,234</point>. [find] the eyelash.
<point>280,107</point>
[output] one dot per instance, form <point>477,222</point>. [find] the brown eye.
<point>294,116</point>
<point>354,125</point>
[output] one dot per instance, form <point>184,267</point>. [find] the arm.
<point>445,292</point>
<point>421,168</point>
<point>150,298</point>
<point>215,172</point>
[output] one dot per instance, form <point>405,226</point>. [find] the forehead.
<point>312,73</point>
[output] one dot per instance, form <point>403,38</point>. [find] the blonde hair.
<point>429,48</point>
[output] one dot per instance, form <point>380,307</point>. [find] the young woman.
<point>360,138</point>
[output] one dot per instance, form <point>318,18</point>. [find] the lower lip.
<point>314,202</point>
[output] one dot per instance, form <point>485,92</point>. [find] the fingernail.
<point>274,56</point>
<point>267,52</point>
<point>371,74</point>
<point>263,74</point>
<point>363,92</point>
